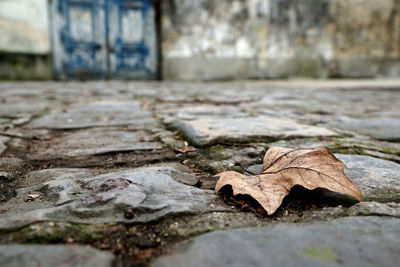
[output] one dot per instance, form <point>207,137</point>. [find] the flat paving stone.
<point>377,179</point>
<point>206,131</point>
<point>378,128</point>
<point>375,208</point>
<point>22,107</point>
<point>3,143</point>
<point>323,107</point>
<point>220,158</point>
<point>359,144</point>
<point>193,112</point>
<point>53,255</point>
<point>26,133</point>
<point>351,241</point>
<point>91,142</point>
<point>95,114</point>
<point>148,193</point>
<point>43,176</point>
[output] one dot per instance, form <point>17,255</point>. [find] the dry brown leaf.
<point>185,149</point>
<point>284,168</point>
<point>32,197</point>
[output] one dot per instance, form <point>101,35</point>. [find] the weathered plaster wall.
<point>367,37</point>
<point>223,39</point>
<point>15,66</point>
<point>24,40</point>
<point>24,26</point>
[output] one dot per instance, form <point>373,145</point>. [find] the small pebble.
<point>129,214</point>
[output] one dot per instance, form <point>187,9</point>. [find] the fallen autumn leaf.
<point>284,168</point>
<point>185,149</point>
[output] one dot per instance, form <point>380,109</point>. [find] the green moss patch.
<point>323,254</point>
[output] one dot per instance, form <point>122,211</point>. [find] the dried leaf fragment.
<point>284,168</point>
<point>32,197</point>
<point>185,149</point>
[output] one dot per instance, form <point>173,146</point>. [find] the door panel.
<point>132,26</point>
<point>104,39</point>
<point>80,23</point>
<point>79,41</point>
<point>131,39</point>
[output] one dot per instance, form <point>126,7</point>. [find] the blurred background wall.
<point>236,39</point>
<point>223,39</point>
<point>24,40</point>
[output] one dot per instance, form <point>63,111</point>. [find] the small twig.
<point>246,170</point>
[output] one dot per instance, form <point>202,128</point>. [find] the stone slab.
<point>27,133</point>
<point>379,128</point>
<point>359,144</point>
<point>220,158</point>
<point>46,175</point>
<point>3,143</point>
<point>194,112</point>
<point>351,241</point>
<point>377,179</point>
<point>206,131</point>
<point>91,142</point>
<point>150,193</point>
<point>95,114</point>
<point>53,255</point>
<point>375,208</point>
<point>22,107</point>
<point>4,121</point>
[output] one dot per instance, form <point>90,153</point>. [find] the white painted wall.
<point>24,26</point>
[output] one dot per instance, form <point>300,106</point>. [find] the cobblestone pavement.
<point>122,173</point>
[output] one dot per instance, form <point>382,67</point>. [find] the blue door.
<point>131,38</point>
<point>103,39</point>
